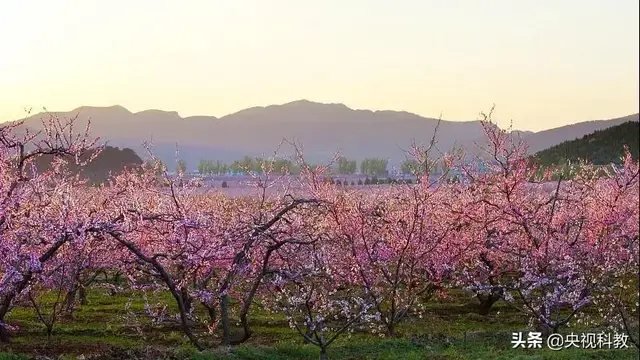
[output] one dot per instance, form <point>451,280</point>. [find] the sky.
<point>543,63</point>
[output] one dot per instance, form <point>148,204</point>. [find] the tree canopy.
<point>601,147</point>
<point>110,160</point>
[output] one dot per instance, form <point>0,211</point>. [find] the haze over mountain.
<point>322,129</point>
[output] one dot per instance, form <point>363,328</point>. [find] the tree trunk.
<point>486,302</point>
<point>544,329</point>
<point>244,311</point>
<point>116,278</point>
<point>70,300</point>
<point>186,299</point>
<point>213,317</point>
<point>391,329</point>
<point>183,314</point>
<point>49,333</point>
<point>246,328</point>
<point>4,333</point>
<point>308,336</point>
<point>82,295</point>
<point>323,353</point>
<point>224,313</point>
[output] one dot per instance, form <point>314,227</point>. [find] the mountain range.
<point>321,129</point>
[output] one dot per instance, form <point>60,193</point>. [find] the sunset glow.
<point>543,63</point>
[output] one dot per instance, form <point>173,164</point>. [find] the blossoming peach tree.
<point>332,260</point>
<point>40,211</point>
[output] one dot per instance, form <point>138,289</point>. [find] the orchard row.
<point>331,259</point>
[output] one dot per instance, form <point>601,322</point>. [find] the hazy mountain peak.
<point>114,109</point>
<point>247,111</point>
<point>201,118</point>
<point>302,106</point>
<point>309,103</point>
<point>157,112</point>
<point>321,128</point>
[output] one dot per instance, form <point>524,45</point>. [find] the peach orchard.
<point>332,260</point>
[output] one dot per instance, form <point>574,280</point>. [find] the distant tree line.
<point>342,166</point>
<point>412,166</point>
<point>374,166</point>
<point>246,165</point>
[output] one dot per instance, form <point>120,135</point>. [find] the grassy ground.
<point>450,330</point>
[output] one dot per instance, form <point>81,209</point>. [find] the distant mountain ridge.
<point>321,129</point>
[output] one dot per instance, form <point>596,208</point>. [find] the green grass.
<point>450,329</point>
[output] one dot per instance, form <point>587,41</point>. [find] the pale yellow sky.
<point>545,63</point>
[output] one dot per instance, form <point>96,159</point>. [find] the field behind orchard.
<point>248,187</point>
